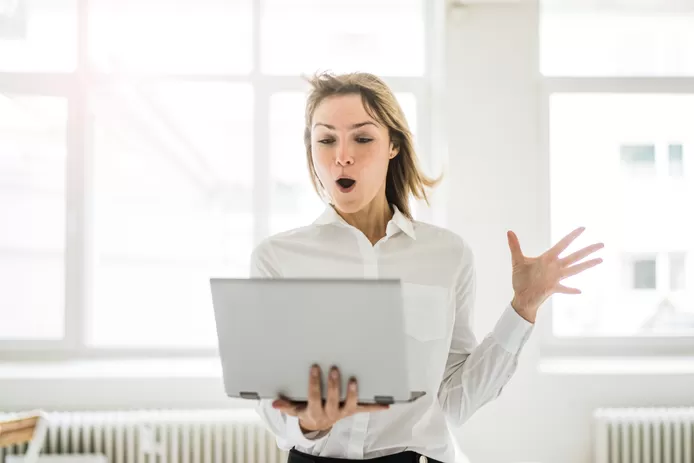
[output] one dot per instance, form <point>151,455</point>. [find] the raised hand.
<point>536,278</point>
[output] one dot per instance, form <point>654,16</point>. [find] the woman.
<point>361,160</point>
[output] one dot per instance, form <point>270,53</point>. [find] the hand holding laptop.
<point>270,331</point>
<point>315,415</point>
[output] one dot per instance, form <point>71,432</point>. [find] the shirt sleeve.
<point>476,373</point>
<point>285,428</point>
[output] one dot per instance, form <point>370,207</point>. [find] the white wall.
<point>499,183</point>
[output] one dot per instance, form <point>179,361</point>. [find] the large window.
<point>32,206</point>
<point>619,103</point>
<point>145,148</point>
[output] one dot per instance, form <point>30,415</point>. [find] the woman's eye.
<point>364,140</point>
<point>326,141</point>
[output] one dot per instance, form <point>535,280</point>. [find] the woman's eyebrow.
<point>354,126</point>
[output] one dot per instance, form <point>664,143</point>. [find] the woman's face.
<point>351,152</point>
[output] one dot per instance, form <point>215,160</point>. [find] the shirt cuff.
<point>296,435</point>
<point>512,331</point>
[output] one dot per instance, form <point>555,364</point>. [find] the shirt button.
<point>423,459</point>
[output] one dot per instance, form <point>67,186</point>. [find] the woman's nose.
<point>343,156</point>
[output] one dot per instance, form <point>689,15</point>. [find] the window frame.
<point>76,86</point>
<point>552,345</point>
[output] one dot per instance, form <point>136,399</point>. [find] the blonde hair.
<point>404,176</point>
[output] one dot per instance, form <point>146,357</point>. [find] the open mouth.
<point>346,184</point>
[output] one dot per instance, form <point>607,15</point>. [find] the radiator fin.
<point>159,436</point>
<point>644,435</point>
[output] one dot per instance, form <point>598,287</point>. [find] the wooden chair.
<point>27,428</point>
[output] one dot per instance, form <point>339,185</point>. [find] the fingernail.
<point>333,374</point>
<point>314,370</point>
<point>352,386</point>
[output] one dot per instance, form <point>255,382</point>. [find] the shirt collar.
<point>398,222</point>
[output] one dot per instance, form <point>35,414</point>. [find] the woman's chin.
<point>348,205</point>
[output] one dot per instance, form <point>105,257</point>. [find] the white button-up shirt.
<point>437,274</point>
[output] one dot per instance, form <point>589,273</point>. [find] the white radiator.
<point>160,436</point>
<point>644,435</point>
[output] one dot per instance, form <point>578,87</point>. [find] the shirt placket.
<point>355,446</point>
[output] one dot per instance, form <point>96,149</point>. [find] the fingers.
<point>315,399</point>
<point>332,405</point>
<point>332,411</point>
<point>282,403</point>
<point>372,408</point>
<point>285,406</point>
<point>350,407</point>
<point>514,246</point>
<point>579,255</point>
<point>566,290</point>
<point>565,242</point>
<point>578,268</point>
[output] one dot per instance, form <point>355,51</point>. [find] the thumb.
<point>514,246</point>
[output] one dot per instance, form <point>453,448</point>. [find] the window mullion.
<point>665,85</point>
<point>78,276</point>
<point>261,162</point>
<point>261,143</point>
<point>431,108</point>
<point>75,224</point>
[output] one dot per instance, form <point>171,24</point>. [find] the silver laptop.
<point>271,331</point>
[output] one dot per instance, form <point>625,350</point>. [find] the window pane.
<point>205,36</point>
<point>385,37</point>
<point>635,216</point>
<point>644,276</point>
<point>32,214</point>
<point>638,154</point>
<point>408,103</point>
<point>294,202</point>
<point>38,35</point>
<point>678,274</point>
<point>173,208</point>
<point>652,38</point>
<point>676,160</point>
<point>638,159</point>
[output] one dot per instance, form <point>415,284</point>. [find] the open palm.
<point>536,278</point>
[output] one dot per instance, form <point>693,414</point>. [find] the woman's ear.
<point>394,150</point>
